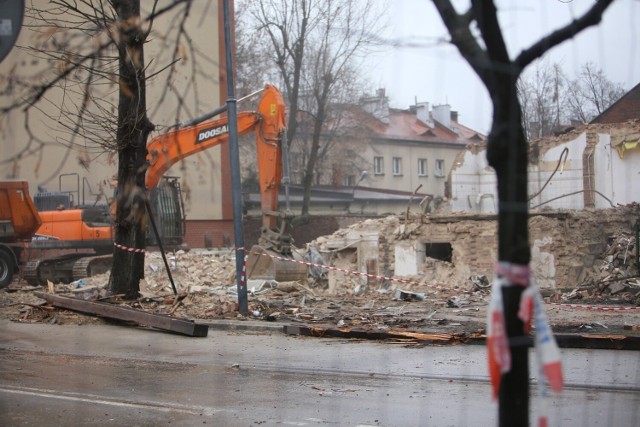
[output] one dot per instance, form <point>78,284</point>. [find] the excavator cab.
<point>81,235</point>
<point>168,210</point>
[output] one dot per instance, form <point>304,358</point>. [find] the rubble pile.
<point>614,278</point>
<point>439,296</point>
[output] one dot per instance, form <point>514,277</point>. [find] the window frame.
<point>422,167</point>
<point>378,165</point>
<point>439,171</point>
<point>396,166</point>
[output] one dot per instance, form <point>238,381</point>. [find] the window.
<point>397,165</point>
<point>439,168</point>
<point>422,167</point>
<point>378,166</point>
<point>442,251</point>
<point>349,181</point>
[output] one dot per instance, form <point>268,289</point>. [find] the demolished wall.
<point>591,166</point>
<point>566,245</point>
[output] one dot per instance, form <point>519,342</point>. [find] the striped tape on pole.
<point>243,278</point>
<point>124,248</point>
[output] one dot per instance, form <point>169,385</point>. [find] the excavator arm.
<point>268,123</point>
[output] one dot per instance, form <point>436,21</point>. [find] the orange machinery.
<point>268,123</point>
<point>19,221</point>
<point>89,228</point>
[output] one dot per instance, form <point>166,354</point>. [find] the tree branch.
<point>591,17</point>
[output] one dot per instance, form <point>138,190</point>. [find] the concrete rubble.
<point>416,273</point>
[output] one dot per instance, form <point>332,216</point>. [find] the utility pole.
<point>234,154</point>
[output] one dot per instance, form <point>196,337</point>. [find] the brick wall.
<point>209,233</point>
<point>201,234</point>
<point>305,233</point>
<point>566,246</point>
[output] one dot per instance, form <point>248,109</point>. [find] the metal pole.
<point>215,112</point>
<point>234,154</point>
<point>159,240</point>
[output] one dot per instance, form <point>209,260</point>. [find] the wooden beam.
<point>159,321</point>
<point>422,337</point>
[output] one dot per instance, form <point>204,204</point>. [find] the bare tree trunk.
<point>507,154</point>
<point>313,160</point>
<point>133,129</point>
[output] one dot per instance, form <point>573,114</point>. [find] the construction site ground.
<point>205,281</point>
<point>586,261</point>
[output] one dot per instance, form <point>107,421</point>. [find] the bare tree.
<point>591,93</point>
<point>541,96</point>
<point>550,99</point>
<point>314,46</point>
<point>88,76</point>
<point>254,64</point>
<point>478,37</point>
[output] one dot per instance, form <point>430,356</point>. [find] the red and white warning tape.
<point>243,279</point>
<point>368,275</point>
<point>436,287</point>
<point>124,248</point>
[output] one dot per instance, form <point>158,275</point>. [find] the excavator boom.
<point>268,123</point>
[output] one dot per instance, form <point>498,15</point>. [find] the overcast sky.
<point>423,67</point>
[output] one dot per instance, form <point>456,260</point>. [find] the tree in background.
<point>87,74</point>
<point>477,35</point>
<point>315,46</point>
<point>551,100</point>
<point>541,97</point>
<point>589,94</point>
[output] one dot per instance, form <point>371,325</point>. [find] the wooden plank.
<point>128,314</point>
<point>315,331</point>
<point>591,341</point>
<point>598,341</point>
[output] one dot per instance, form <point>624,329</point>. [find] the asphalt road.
<point>104,375</point>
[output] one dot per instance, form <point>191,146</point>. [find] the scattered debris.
<point>409,296</point>
<point>364,289</point>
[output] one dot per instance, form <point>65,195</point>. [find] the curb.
<point>565,340</point>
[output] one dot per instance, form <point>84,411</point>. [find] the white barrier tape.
<point>360,273</point>
<point>439,288</point>
<point>243,278</point>
<point>530,311</point>
<point>124,248</point>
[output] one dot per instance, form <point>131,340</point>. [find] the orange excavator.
<point>267,260</point>
<point>88,230</point>
<point>75,240</point>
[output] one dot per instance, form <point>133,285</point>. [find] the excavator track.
<point>64,269</point>
<point>91,266</point>
<point>29,272</point>
<point>55,270</point>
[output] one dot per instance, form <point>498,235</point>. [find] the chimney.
<point>422,113</point>
<point>442,114</point>
<point>377,106</point>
